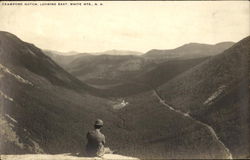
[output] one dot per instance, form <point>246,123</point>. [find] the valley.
<point>185,105</point>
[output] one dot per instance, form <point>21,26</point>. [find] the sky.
<point>135,25</point>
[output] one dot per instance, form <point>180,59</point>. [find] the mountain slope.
<point>217,92</point>
<point>44,108</point>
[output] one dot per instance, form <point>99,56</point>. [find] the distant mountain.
<point>102,67</point>
<point>108,69</point>
<point>191,50</point>
<point>115,67</point>
<point>119,52</point>
<point>151,78</point>
<point>64,59</point>
<point>217,92</point>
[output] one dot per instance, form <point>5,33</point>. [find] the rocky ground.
<point>63,157</point>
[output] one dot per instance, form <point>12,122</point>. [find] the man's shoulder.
<point>99,134</point>
<point>94,132</point>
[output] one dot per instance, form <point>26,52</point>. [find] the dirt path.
<point>213,133</point>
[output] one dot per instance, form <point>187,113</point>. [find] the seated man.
<point>96,141</point>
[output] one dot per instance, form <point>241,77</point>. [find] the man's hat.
<point>99,122</point>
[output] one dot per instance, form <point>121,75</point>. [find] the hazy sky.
<point>138,26</point>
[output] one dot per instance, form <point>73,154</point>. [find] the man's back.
<point>95,145</point>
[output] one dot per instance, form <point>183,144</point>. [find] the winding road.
<point>213,133</point>
<point>162,101</point>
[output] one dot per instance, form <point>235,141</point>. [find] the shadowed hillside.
<point>217,93</point>
<point>44,108</point>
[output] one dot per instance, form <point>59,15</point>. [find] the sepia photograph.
<point>124,80</point>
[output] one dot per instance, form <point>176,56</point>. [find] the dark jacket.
<point>95,145</point>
